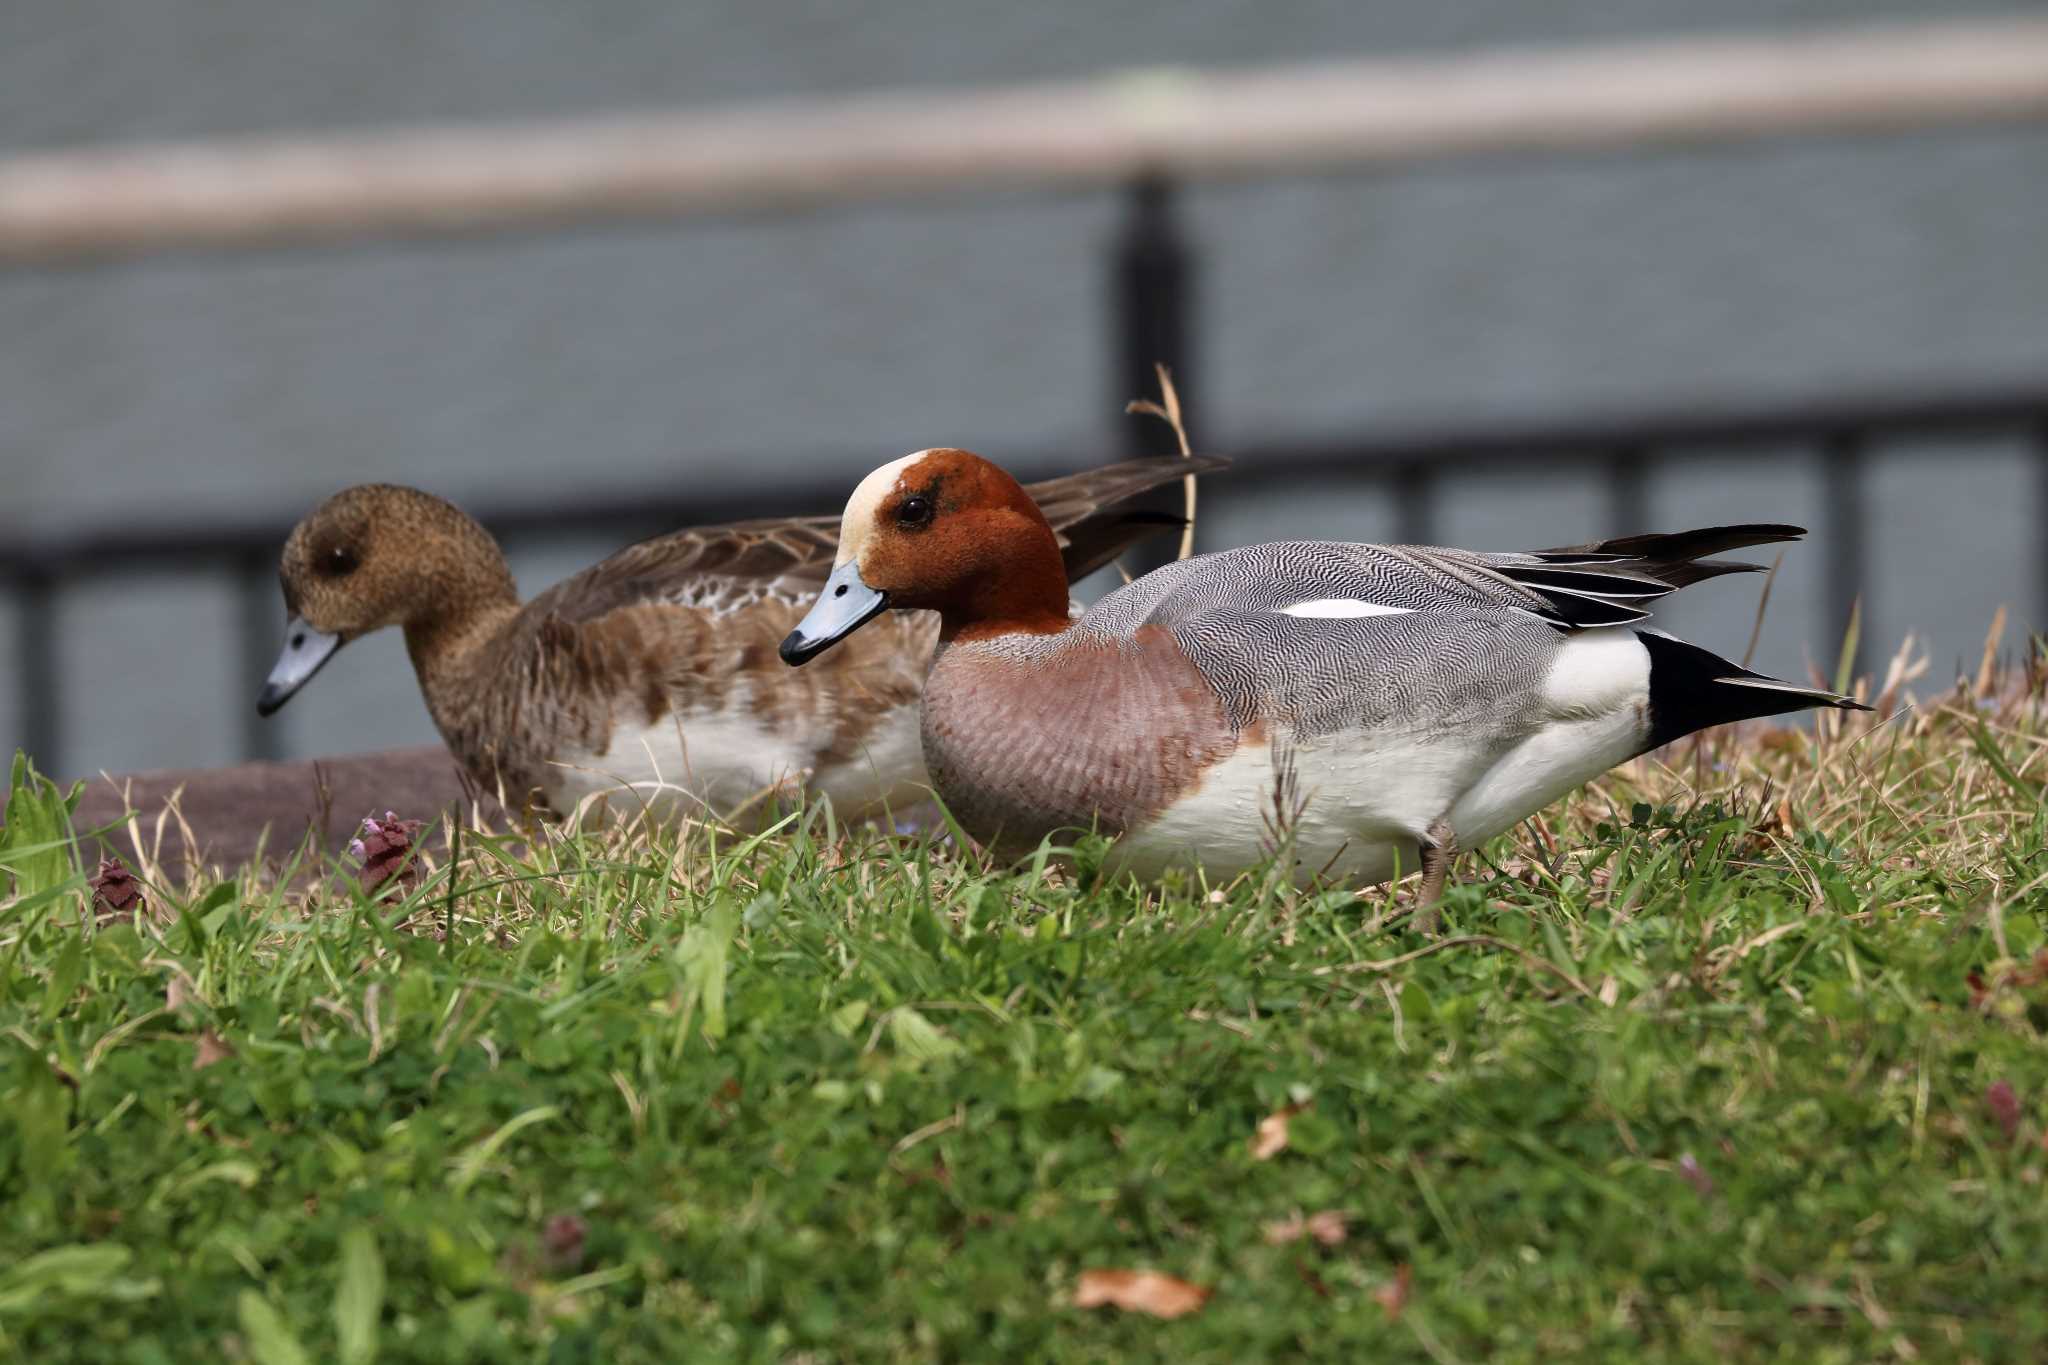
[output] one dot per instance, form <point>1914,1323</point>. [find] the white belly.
<point>1359,806</point>
<point>1349,806</point>
<point>1595,714</point>
<point>727,764</point>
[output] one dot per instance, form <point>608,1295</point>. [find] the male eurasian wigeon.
<point>654,670</point>
<point>1380,704</point>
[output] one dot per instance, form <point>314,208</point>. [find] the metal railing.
<point>70,209</point>
<point>1150,288</point>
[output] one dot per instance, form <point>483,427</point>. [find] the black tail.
<point>1692,688</point>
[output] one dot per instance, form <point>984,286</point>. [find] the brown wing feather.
<point>1083,513</point>
<point>1072,498</point>
<point>718,568</point>
<point>726,567</point>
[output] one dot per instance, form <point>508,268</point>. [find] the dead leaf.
<point>1393,1295</point>
<point>1780,739</point>
<point>1138,1291</point>
<point>176,994</point>
<point>1271,1139</point>
<point>212,1048</point>
<point>1326,1227</point>
<point>1292,1228</point>
<point>939,1173</point>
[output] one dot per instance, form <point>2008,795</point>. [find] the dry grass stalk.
<point>1168,410</point>
<point>1987,669</point>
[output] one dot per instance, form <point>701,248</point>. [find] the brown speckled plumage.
<point>660,633</point>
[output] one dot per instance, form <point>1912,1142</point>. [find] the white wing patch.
<point>1341,608</point>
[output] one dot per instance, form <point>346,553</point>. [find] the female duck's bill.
<point>845,605</point>
<point>306,651</point>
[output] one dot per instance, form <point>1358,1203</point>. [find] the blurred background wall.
<point>719,354</point>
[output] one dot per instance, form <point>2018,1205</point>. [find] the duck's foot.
<point>1437,853</point>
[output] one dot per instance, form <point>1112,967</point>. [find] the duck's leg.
<point>1440,847</point>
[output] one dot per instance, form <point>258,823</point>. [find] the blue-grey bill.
<point>843,607</point>
<point>305,650</point>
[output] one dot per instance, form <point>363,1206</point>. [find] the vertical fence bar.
<point>1628,497</point>
<point>259,610</point>
<point>1414,512</point>
<point>1842,492</point>
<point>36,642</point>
<point>1152,307</point>
<point>1150,319</point>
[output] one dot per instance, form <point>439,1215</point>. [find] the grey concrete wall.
<point>711,355</point>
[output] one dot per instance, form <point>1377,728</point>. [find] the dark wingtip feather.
<point>1083,508</point>
<point>1089,544</point>
<point>1144,517</point>
<point>1676,559</point>
<point>1698,543</point>
<point>1684,575</point>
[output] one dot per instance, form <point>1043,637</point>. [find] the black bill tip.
<point>798,649</point>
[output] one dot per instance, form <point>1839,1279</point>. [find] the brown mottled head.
<point>380,555</point>
<point>947,531</point>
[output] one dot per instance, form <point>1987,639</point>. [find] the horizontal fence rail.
<point>1182,123</point>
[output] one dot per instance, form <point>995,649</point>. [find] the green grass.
<point>1697,1071</point>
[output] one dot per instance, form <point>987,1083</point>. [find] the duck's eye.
<point>338,562</point>
<point>915,510</point>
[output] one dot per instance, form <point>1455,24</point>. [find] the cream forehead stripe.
<point>860,508</point>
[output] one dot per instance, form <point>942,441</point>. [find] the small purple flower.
<point>561,1243</point>
<point>2004,1103</point>
<point>385,849</point>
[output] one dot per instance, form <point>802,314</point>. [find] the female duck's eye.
<point>338,562</point>
<point>914,510</point>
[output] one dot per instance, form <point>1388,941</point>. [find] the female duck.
<point>1376,705</point>
<point>654,670</point>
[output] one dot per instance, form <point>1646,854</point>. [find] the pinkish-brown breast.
<point>1022,739</point>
